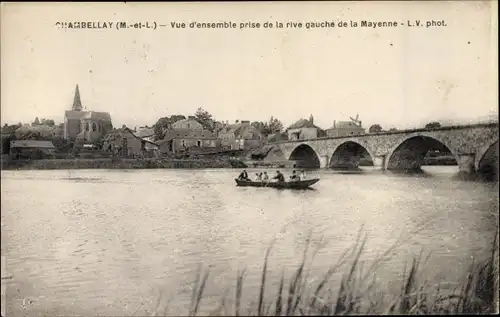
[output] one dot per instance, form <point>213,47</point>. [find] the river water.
<point>119,242</point>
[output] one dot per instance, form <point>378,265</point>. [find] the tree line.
<point>377,128</point>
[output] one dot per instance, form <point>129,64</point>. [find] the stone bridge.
<point>474,147</point>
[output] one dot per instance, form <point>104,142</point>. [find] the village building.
<point>219,125</point>
<point>345,128</point>
<point>304,129</point>
<point>86,126</point>
<point>31,149</point>
<point>240,136</point>
<point>125,143</point>
<point>187,124</point>
<point>147,134</point>
<point>191,140</point>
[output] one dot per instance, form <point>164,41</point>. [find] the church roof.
<point>94,115</point>
<point>72,114</point>
<point>77,113</point>
<point>77,102</point>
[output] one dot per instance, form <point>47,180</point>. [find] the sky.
<point>397,77</point>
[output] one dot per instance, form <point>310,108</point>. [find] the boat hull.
<point>280,185</point>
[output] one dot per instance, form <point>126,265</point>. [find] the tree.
<point>393,130</point>
<point>275,125</point>
<point>272,126</point>
<point>263,127</point>
<point>99,142</point>
<point>36,122</point>
<point>375,128</point>
<point>62,144</point>
<point>176,117</point>
<point>163,124</point>
<point>160,126</point>
<point>205,118</point>
<point>32,135</point>
<point>433,125</point>
<point>48,122</point>
<point>6,143</point>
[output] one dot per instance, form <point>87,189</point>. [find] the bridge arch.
<point>348,155</point>
<point>306,156</point>
<point>486,163</point>
<point>480,155</point>
<point>409,152</point>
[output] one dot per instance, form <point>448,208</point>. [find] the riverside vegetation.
<point>108,163</point>
<point>298,295</point>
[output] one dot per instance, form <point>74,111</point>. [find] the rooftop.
<point>144,132</point>
<point>31,143</point>
<point>240,129</point>
<point>344,125</point>
<point>302,123</point>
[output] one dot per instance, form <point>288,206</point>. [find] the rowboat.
<point>281,185</point>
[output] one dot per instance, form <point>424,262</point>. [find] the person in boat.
<point>302,175</point>
<point>265,177</point>
<point>243,176</point>
<point>279,177</point>
<point>294,176</point>
<point>258,176</point>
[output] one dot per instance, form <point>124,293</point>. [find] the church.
<point>83,125</point>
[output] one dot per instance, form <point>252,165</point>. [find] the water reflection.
<point>109,244</point>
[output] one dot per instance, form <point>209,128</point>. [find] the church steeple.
<point>77,103</point>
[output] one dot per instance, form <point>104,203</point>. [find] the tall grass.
<point>298,295</point>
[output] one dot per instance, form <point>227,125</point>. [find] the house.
<point>304,129</point>
<point>87,126</point>
<point>31,149</point>
<point>345,128</point>
<point>187,124</point>
<point>192,140</point>
<point>124,142</point>
<point>240,135</point>
<point>147,134</point>
<point>219,125</point>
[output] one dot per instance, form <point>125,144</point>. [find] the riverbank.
<point>358,292</point>
<point>108,163</point>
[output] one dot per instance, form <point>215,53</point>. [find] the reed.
<point>298,295</point>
